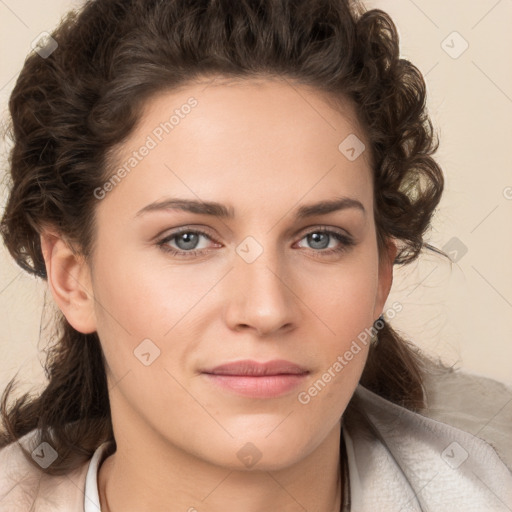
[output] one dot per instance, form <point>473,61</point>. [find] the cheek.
<point>344,298</point>
<point>344,307</point>
<point>131,293</point>
<point>145,309</point>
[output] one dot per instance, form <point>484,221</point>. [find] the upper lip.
<point>255,368</point>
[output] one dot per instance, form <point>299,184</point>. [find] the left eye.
<point>187,240</point>
<point>319,237</point>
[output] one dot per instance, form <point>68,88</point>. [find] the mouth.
<point>257,380</point>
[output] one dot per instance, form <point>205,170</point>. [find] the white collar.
<point>91,494</point>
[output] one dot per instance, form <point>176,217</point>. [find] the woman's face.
<point>263,284</point>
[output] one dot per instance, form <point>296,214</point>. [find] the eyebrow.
<point>224,212</point>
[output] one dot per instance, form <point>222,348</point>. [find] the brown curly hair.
<point>71,109</point>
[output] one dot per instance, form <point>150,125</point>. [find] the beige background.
<point>463,311</point>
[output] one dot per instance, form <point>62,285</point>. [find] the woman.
<point>216,193</point>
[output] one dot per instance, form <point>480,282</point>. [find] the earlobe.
<point>69,282</point>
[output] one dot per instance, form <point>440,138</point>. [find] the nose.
<point>260,296</point>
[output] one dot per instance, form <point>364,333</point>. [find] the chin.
<point>259,453</point>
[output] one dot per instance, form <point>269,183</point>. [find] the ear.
<point>69,280</point>
<point>385,277</point>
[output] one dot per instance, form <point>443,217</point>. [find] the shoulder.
<point>399,457</point>
<point>475,404</point>
<point>24,487</point>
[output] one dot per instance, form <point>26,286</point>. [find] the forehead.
<point>266,138</point>
<point>254,107</point>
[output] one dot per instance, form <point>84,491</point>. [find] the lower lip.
<point>264,386</point>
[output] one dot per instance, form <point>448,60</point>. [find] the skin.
<point>264,148</point>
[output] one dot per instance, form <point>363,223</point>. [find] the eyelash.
<point>346,243</point>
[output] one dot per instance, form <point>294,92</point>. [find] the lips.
<point>257,380</point>
<point>257,369</point>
